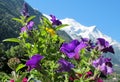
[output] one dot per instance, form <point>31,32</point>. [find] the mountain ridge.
<point>11,9</point>
<point>78,29</point>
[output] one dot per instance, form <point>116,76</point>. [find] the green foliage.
<point>4,77</point>
<point>2,48</point>
<point>20,66</point>
<point>18,20</point>
<point>15,51</point>
<point>61,26</point>
<point>12,40</point>
<point>46,22</point>
<point>30,18</point>
<point>39,41</point>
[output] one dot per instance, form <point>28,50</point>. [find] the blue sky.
<point>105,14</point>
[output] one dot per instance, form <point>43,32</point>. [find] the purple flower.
<point>55,21</point>
<point>73,48</point>
<point>89,43</point>
<point>68,48</point>
<point>27,27</point>
<point>102,42</point>
<point>65,65</point>
<point>78,48</point>
<point>108,49</point>
<point>104,45</point>
<point>23,29</point>
<point>34,61</point>
<point>24,11</point>
<point>30,25</point>
<point>84,39</point>
<point>103,64</point>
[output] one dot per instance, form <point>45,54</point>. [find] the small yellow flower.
<point>51,31</point>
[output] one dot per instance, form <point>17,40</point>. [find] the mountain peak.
<point>75,30</point>
<point>73,24</point>
<point>92,28</point>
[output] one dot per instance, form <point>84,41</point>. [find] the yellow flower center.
<point>51,31</point>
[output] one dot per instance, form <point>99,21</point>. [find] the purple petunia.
<point>103,64</point>
<point>55,21</point>
<point>28,26</point>
<point>84,39</point>
<point>65,65</point>
<point>24,11</point>
<point>73,48</point>
<point>104,45</point>
<point>68,48</point>
<point>34,61</point>
<point>81,46</point>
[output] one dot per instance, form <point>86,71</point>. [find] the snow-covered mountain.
<point>75,30</point>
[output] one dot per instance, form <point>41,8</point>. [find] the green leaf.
<point>28,45</point>
<point>76,80</point>
<point>61,26</point>
<point>46,21</point>
<point>22,18</point>
<point>66,78</point>
<point>78,71</point>
<point>2,74</point>
<point>30,18</point>
<point>18,20</point>
<point>12,40</point>
<point>20,66</point>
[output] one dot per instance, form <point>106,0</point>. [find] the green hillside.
<point>8,10</point>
